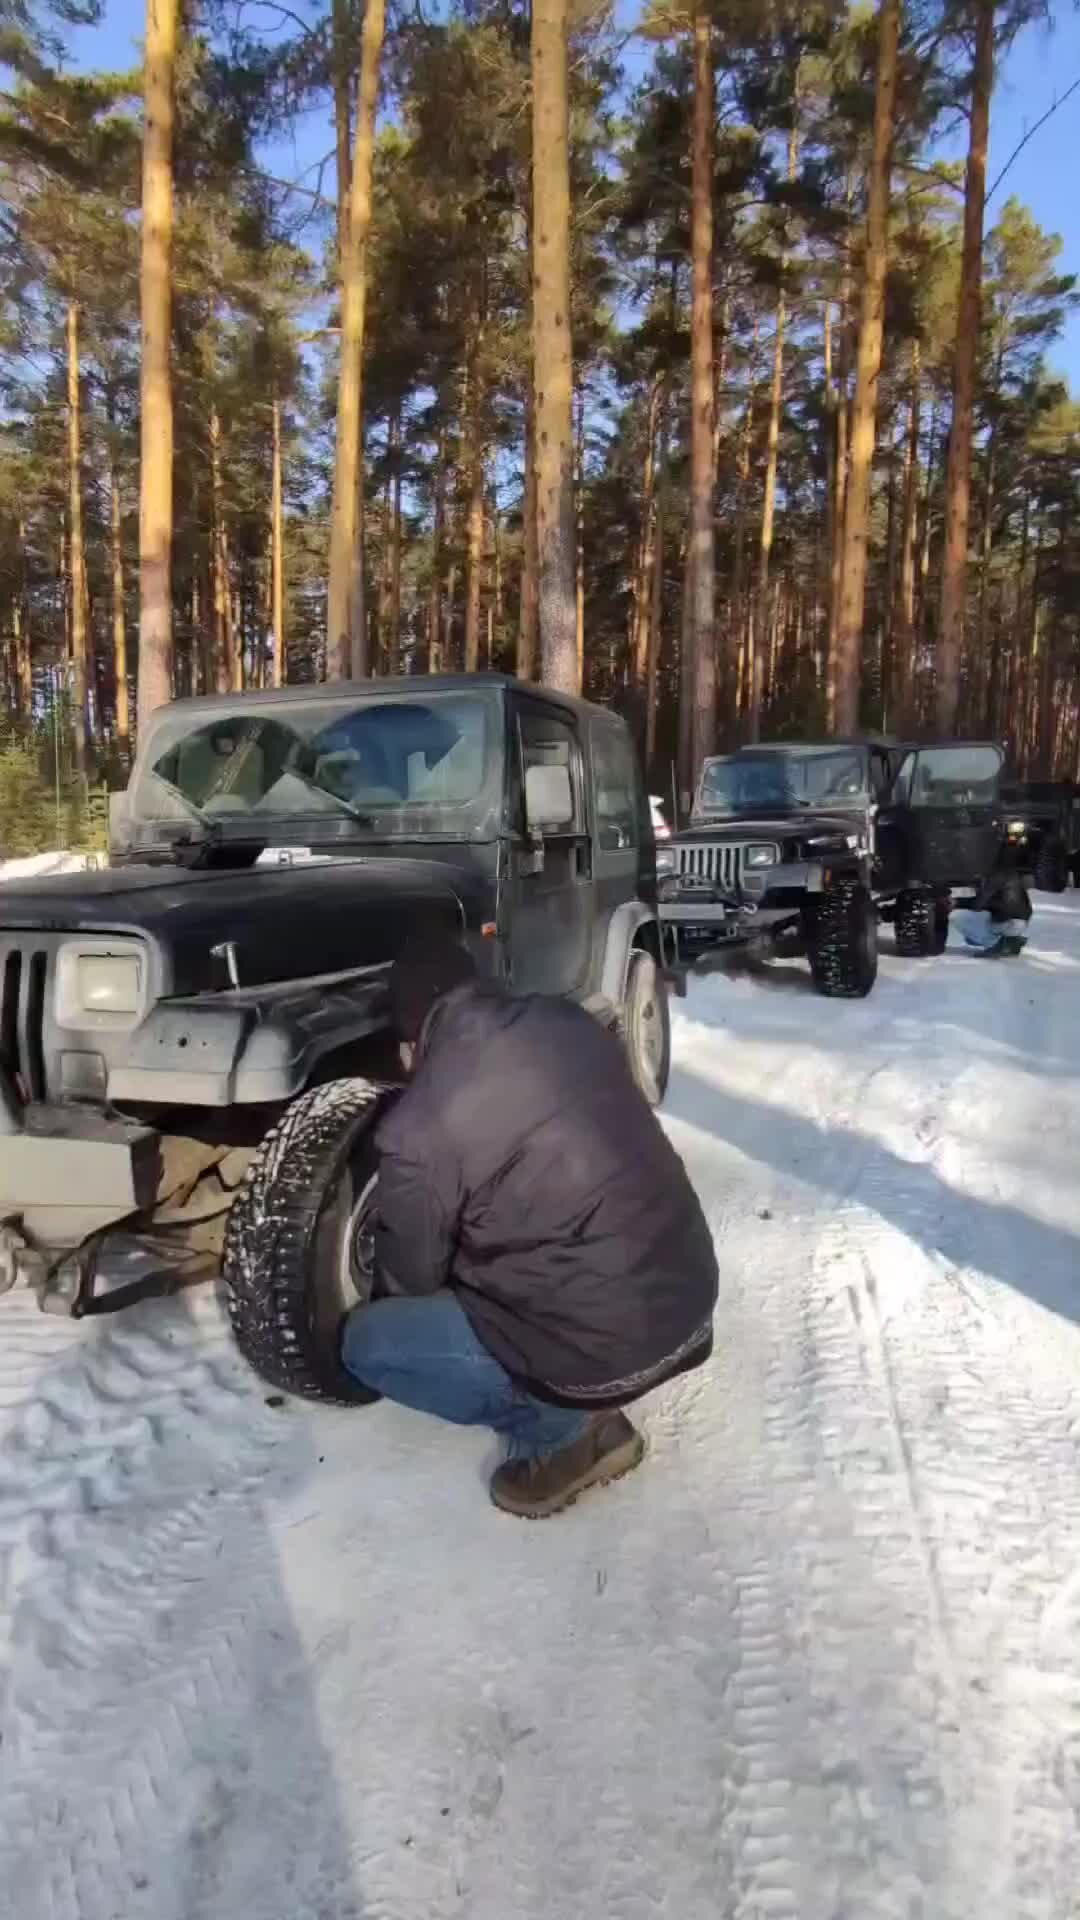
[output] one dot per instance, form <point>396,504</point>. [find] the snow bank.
<point>35,866</point>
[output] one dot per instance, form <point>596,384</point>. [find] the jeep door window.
<point>411,767</point>
<point>547,740</point>
<point>615,781</point>
<point>960,776</point>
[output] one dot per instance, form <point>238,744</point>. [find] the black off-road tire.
<point>922,924</point>
<point>645,1026</point>
<point>841,942</point>
<point>285,1241</point>
<point>1051,870</point>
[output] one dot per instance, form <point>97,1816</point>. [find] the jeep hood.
<point>774,826</point>
<point>284,923</point>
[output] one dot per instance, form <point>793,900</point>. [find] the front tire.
<point>842,943</point>
<point>296,1256</point>
<point>922,925</point>
<point>645,1023</point>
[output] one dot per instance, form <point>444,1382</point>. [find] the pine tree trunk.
<point>642,572</point>
<point>342,58</point>
<point>844,717</point>
<point>24,665</point>
<point>277,552</point>
<point>969,309</point>
<point>347,650</point>
<point>979,666</point>
<point>156,407</point>
<point>119,622</point>
<point>903,622</point>
<point>552,356</point>
<point>474,466</point>
<point>219,569</point>
<point>702,648</point>
<point>434,622</point>
<point>579,538</point>
<point>760,602</point>
<point>393,649</point>
<point>77,551</point>
<point>656,612</point>
<point>528,642</point>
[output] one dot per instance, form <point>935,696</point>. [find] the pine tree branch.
<point>1030,135</point>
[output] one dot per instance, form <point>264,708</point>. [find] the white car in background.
<point>661,830</point>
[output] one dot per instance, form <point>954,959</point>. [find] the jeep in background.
<point>195,1043</point>
<point>1042,827</point>
<point>805,845</point>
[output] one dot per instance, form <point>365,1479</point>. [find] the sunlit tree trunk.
<point>529,613</point>
<point>342,43</point>
<point>119,621</point>
<point>277,550</point>
<point>434,619</point>
<point>844,717</point>
<point>156,408</point>
<point>903,612</point>
<point>642,573</point>
<point>552,357</point>
<point>579,537</point>
<point>393,644</point>
<point>76,549</point>
<point>474,463</point>
<point>656,612</point>
<point>701,664</point>
<point>347,642</point>
<point>954,565</point>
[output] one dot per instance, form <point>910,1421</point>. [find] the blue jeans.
<point>422,1352</point>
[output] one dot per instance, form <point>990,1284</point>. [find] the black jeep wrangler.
<point>194,1043</point>
<point>804,846</point>
<point>1042,826</point>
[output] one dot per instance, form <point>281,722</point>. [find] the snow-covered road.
<point>818,1660</point>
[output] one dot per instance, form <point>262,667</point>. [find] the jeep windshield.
<point>783,781</point>
<point>423,767</point>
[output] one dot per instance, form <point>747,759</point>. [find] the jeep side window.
<point>547,740</point>
<point>616,788</point>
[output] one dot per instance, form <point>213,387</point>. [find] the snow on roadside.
<point>39,866</point>
<point>818,1660</point>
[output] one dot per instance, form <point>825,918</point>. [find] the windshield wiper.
<point>313,786</point>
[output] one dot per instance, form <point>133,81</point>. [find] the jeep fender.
<point>252,1045</point>
<point>631,925</point>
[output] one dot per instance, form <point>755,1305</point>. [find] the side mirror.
<point>549,799</point>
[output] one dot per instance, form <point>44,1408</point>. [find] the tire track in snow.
<point>125,1475</point>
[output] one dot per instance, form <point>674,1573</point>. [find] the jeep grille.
<point>24,976</point>
<point>720,865</point>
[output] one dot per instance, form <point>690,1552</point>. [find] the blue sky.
<point>1041,65</point>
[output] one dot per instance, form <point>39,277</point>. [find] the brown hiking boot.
<point>533,1489</point>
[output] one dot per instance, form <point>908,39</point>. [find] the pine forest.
<point>692,356</point>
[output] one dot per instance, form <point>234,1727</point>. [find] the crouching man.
<point>542,1258</point>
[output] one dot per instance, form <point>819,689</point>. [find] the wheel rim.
<point>647,1029</point>
<point>356,1256</point>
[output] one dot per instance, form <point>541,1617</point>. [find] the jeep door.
<point>955,827</point>
<point>550,878</point>
<point>624,850</point>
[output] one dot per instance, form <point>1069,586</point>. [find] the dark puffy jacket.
<point>523,1168</point>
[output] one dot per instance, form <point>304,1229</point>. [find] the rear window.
<point>958,776</point>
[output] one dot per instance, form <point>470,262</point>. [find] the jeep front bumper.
<point>67,1172</point>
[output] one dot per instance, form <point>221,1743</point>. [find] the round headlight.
<point>1016,826</point>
